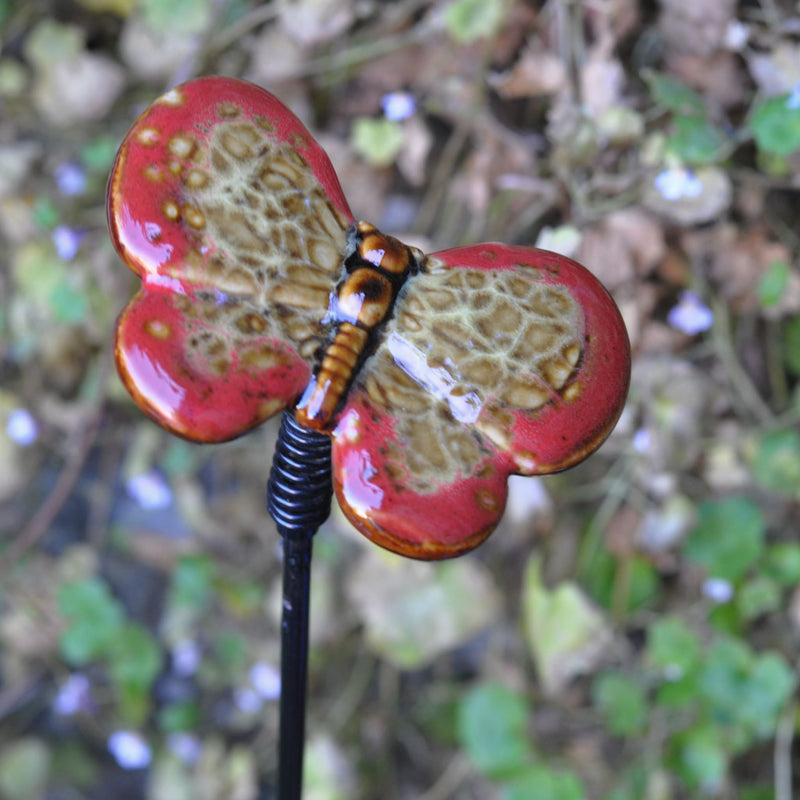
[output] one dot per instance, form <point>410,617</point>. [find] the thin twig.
<point>742,383</point>
<point>456,772</point>
<point>40,522</point>
<point>784,735</point>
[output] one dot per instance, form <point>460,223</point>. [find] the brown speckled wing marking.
<point>466,350</point>
<point>265,237</point>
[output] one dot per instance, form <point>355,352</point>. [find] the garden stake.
<point>299,499</point>
<point>413,384</point>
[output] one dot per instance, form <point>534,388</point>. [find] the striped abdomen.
<point>377,269</point>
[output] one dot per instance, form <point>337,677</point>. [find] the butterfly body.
<point>375,271</point>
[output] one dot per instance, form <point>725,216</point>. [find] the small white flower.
<point>736,35</point>
<point>718,590</point>
<point>398,106</point>
<point>642,440</point>
<point>21,427</point>
<point>130,750</point>
<point>678,182</point>
<point>150,490</point>
<point>690,315</point>
<point>266,680</point>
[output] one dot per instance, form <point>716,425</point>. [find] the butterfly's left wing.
<point>497,360</point>
<point>232,216</point>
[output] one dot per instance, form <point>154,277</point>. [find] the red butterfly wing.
<point>234,219</point>
<point>498,360</point>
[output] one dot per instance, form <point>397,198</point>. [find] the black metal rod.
<point>299,499</point>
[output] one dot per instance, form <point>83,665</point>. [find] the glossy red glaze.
<point>492,360</point>
<point>199,401</point>
<point>459,514</point>
<point>135,206</point>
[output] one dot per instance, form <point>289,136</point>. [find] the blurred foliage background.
<point>631,630</point>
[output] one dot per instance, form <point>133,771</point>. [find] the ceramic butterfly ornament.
<point>436,376</point>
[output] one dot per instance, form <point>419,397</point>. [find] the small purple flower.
<point>793,100</point>
<point>67,241</point>
<point>21,427</point>
<point>185,746</point>
<point>150,490</point>
<point>70,178</point>
<point>247,700</point>
<point>74,695</point>
<point>718,590</point>
<point>130,750</point>
<point>690,315</point>
<point>186,657</point>
<point>398,106</point>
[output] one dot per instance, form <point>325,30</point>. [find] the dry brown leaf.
<point>708,195</point>
<point>719,76</point>
<point>695,26</point>
<point>412,161</point>
<point>777,70</point>
<point>536,73</point>
<point>625,243</point>
<point>739,261</point>
<point>602,80</point>
<point>310,22</point>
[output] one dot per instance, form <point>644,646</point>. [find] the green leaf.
<point>192,583</point>
<point>45,212</point>
<point>178,717</point>
<point>564,631</point>
<point>769,687</point>
<point>377,141</point>
<point>703,761</point>
<point>50,42</point>
<point>95,618</point>
<point>696,141</point>
<point>673,647</point>
<point>673,95</point>
<point>135,661</point>
<point>791,345</point>
<point>772,283</point>
<point>469,20</point>
<point>543,783</point>
<point>622,702</point>
<point>722,679</point>
<point>413,613</point>
<point>68,301</point>
<point>50,283</point>
<point>492,723</point>
<point>177,16</point>
<point>98,154</point>
<point>728,538</point>
<point>136,658</point>
<point>24,769</point>
<point>600,576</point>
<point>776,463</point>
<point>758,596</point>
<point>776,125</point>
<point>782,563</point>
